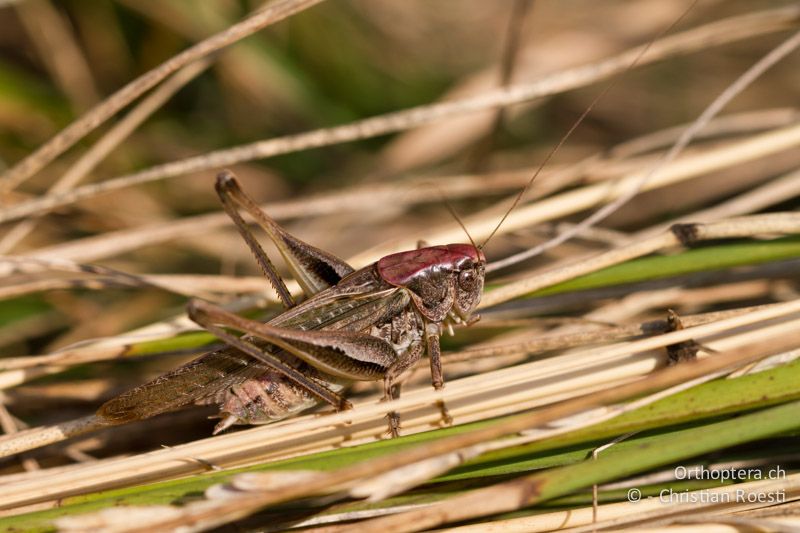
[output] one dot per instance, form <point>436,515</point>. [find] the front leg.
<point>433,332</point>
<point>432,338</point>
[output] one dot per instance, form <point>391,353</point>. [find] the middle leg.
<point>392,382</point>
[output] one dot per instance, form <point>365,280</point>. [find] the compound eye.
<point>466,280</point>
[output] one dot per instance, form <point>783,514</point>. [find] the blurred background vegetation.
<point>338,62</point>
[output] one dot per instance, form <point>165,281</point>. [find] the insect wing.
<point>204,377</point>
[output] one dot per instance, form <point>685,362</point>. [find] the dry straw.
<point>540,398</point>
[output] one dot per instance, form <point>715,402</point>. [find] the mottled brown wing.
<point>206,376</point>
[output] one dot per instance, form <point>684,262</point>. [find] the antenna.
<point>452,210</point>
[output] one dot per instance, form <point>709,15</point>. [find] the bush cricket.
<point>368,324</point>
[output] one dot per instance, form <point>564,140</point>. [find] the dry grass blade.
<point>110,140</point>
<point>780,223</point>
<point>644,512</point>
<point>729,124</point>
<point>730,92</point>
<point>562,341</point>
<point>781,189</point>
<point>577,200</point>
<point>776,223</point>
<point>712,34</point>
<point>476,503</point>
<point>190,285</point>
<point>27,265</point>
<point>571,349</point>
<point>99,114</point>
<point>412,192</point>
<point>516,23</point>
<point>356,199</point>
<point>49,30</point>
<point>500,498</point>
<point>586,223</point>
<point>538,383</point>
<point>399,480</point>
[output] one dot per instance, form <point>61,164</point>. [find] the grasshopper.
<point>370,324</point>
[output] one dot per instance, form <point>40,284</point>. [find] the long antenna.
<point>741,83</point>
<point>583,116</point>
<point>452,210</point>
